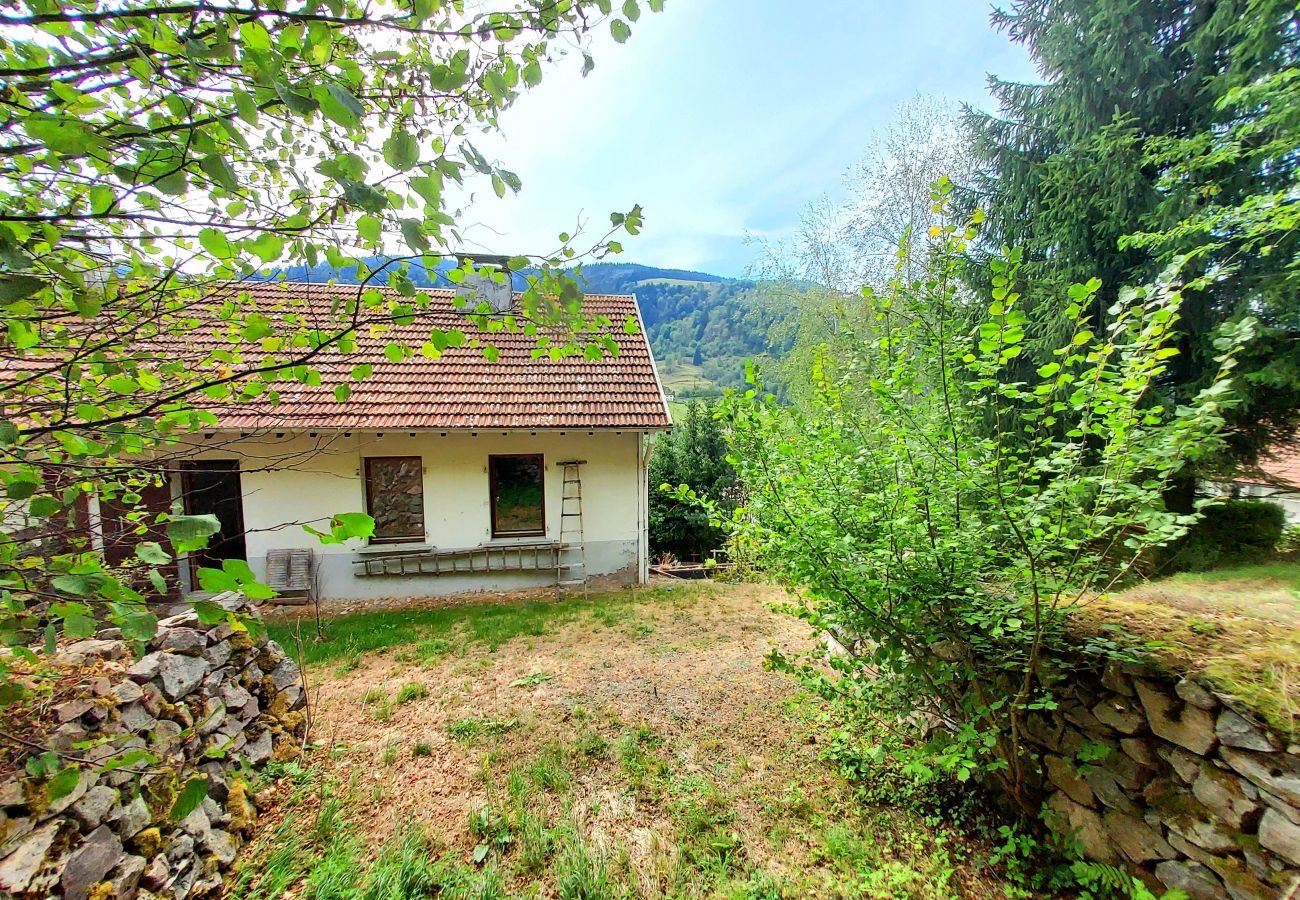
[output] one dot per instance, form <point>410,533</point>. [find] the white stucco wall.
<point>295,479</point>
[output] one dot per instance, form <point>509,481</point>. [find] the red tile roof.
<point>1278,465</point>
<point>461,389</point>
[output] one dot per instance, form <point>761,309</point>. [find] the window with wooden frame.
<point>518,486</point>
<point>395,497</point>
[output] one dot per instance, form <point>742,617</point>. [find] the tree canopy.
<point>1161,134</point>
<point>148,149</point>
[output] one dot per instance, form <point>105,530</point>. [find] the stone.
<point>285,674</point>
<point>295,697</point>
<point>179,846</point>
<point>1238,882</point>
<point>1235,730</point>
<point>1078,714</point>
<point>1062,773</point>
<point>127,875</point>
<point>213,716</point>
<point>219,654</point>
<point>197,824</point>
<point>1177,721</point>
<point>21,866</point>
<point>99,853</point>
<point>216,815</point>
<point>153,700</point>
<point>1191,692</point>
<point>1116,679</point>
<point>146,667</point>
<point>1139,750</point>
<point>180,674</point>
<point>1229,797</point>
<point>1106,788</point>
<point>11,793</point>
<point>135,717</point>
<point>67,735</point>
<point>235,696</point>
<point>166,733</point>
<point>1280,835</point>
<point>1275,773</point>
<point>92,809</point>
<point>1186,765</point>
<point>1194,879</point>
<point>1138,841</point>
<point>184,619</point>
<point>258,749</point>
<point>14,830</point>
<point>1205,834</point>
<point>73,709</point>
<point>132,818</point>
<point>223,845</point>
<point>1086,826</point>
<point>82,652</point>
<point>185,641</point>
<point>1124,717</point>
<point>156,873</point>
<point>127,692</point>
<point>1286,809</point>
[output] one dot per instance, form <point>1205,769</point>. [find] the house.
<point>1276,478</point>
<point>480,474</point>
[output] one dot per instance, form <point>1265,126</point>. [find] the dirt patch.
<point>643,723</point>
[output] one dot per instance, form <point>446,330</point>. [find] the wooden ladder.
<point>570,571</point>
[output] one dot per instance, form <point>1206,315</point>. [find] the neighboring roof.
<point>461,389</point>
<point>1278,466</point>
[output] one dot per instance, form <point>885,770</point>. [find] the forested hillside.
<point>702,327</point>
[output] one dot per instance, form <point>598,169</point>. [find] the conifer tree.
<point>1072,167</point>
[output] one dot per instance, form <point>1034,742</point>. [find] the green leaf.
<point>188,533</point>
<point>339,105</point>
<point>218,168</point>
<point>620,30</point>
<point>368,228</point>
<point>19,287</point>
<point>631,10</point>
<point>189,798</point>
<point>138,624</point>
<point>401,151</point>
<point>63,783</point>
<point>413,234</point>
<point>342,392</point>
<point>217,581</point>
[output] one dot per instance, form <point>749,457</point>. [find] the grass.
<point>1239,628</point>
<point>439,631</point>
<point>633,774</point>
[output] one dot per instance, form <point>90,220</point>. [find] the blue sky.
<point>724,118</point>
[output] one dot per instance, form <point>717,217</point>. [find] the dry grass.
<point>1239,628</point>
<point>634,739</point>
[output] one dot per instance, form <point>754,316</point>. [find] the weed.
<point>581,873</point>
<point>383,710</point>
<point>422,748</point>
<point>412,690</point>
<point>550,770</point>
<point>373,696</point>
<point>532,680</point>
<point>351,664</point>
<point>590,744</point>
<point>518,787</point>
<point>468,730</point>
<point>389,754</point>
<point>536,842</point>
<point>489,828</point>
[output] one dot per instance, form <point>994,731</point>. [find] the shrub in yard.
<point>942,507</point>
<point>1230,533</point>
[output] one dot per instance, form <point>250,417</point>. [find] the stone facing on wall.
<point>205,701</point>
<point>1193,793</point>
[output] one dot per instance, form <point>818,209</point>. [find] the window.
<point>518,497</point>
<point>395,497</point>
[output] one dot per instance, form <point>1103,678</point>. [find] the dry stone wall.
<point>1190,791</point>
<point>205,702</point>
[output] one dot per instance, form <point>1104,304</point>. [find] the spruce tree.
<point>1070,168</point>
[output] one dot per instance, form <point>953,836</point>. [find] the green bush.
<point>1235,532</point>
